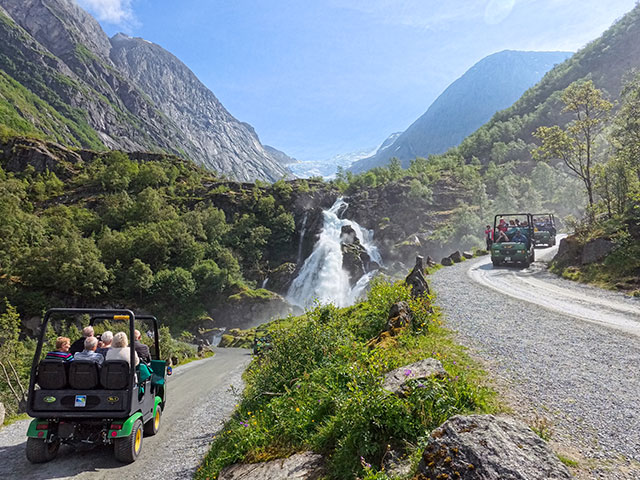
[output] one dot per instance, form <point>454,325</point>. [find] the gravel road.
<point>199,400</point>
<point>565,355</point>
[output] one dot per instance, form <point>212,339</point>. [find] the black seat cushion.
<point>52,374</point>
<point>114,374</point>
<point>84,374</point>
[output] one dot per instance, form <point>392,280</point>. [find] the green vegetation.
<point>319,388</point>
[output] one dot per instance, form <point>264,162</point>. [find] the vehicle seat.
<point>114,374</point>
<point>52,374</point>
<point>84,374</point>
<point>158,367</point>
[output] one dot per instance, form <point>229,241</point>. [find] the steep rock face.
<point>59,53</point>
<point>492,84</point>
<point>213,134</point>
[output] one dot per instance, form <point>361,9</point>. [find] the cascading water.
<point>322,276</point>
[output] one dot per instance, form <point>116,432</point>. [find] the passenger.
<point>119,350</point>
<point>502,237</point>
<point>488,235</point>
<point>105,343</point>
<point>62,350</point>
<point>518,237</point>
<point>141,349</point>
<point>89,352</point>
<point>517,222</point>
<point>78,345</point>
<point>502,226</point>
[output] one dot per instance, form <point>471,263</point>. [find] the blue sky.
<point>323,77</point>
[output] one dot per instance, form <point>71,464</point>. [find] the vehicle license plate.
<point>81,401</point>
<point>507,259</point>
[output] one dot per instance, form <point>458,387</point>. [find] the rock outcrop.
<point>485,447</point>
<point>417,280</point>
<point>355,258</point>
<point>400,317</point>
<point>396,380</point>
<point>596,250</point>
<point>301,466</point>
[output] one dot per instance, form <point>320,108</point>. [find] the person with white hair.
<point>78,345</point>
<point>89,352</point>
<point>141,349</point>
<point>105,342</point>
<point>120,349</point>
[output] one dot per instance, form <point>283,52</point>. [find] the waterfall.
<point>322,277</point>
<point>302,232</point>
<point>264,283</point>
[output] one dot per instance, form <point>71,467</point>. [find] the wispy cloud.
<point>118,12</point>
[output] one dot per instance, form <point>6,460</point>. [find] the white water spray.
<point>302,232</point>
<point>322,277</point>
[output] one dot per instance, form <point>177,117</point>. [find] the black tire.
<point>128,448</point>
<point>153,425</point>
<point>496,263</point>
<point>39,451</point>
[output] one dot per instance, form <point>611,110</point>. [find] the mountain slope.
<point>606,60</point>
<point>490,85</point>
<point>61,56</point>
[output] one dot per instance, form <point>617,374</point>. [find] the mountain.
<point>492,84</point>
<point>63,78</point>
<point>280,156</point>
<point>607,61</point>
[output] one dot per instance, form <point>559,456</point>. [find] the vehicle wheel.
<point>127,449</point>
<point>153,425</point>
<point>39,451</point>
<point>496,263</point>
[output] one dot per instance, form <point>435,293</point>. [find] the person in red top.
<point>488,234</point>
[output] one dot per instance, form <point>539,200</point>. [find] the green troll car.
<point>79,402</point>
<point>544,229</point>
<point>513,242</point>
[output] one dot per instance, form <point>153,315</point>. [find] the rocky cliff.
<point>129,95</point>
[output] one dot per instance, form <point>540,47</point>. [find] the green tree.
<point>576,144</point>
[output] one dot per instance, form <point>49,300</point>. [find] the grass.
<point>567,461</point>
<point>319,388</point>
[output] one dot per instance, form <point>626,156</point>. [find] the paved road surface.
<point>199,399</point>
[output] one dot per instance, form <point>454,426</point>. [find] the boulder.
<point>596,250</point>
<point>485,447</point>
<point>2,413</point>
<point>396,464</point>
<point>416,279</point>
<point>569,252</point>
<point>400,316</point>
<point>430,262</point>
<point>446,261</point>
<point>456,256</point>
<point>395,381</point>
<point>302,466</point>
<point>467,255</point>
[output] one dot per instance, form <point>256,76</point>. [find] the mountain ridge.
<point>60,54</point>
<point>493,83</point>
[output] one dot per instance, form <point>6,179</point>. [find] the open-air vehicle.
<point>544,225</point>
<point>81,403</point>
<point>513,242</point>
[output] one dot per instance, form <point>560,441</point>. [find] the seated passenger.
<point>105,343</point>
<point>141,349</point>
<point>518,237</point>
<point>62,350</point>
<point>89,352</point>
<point>78,345</point>
<point>120,349</point>
<point>502,237</point>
